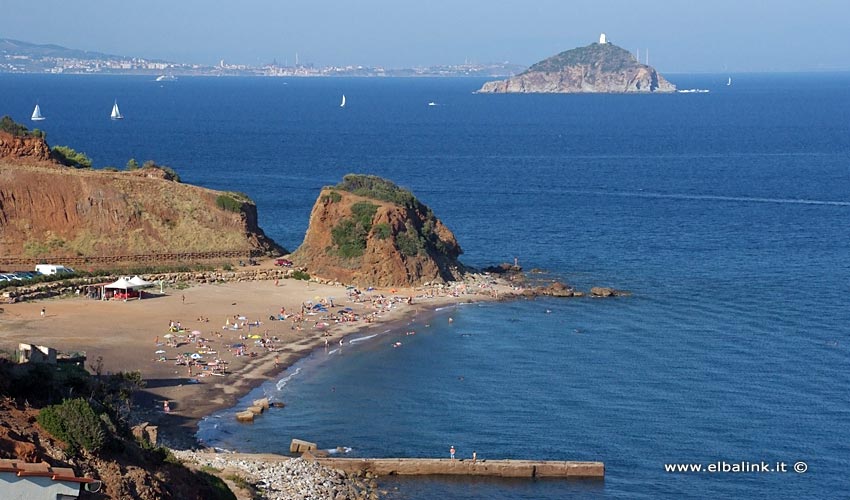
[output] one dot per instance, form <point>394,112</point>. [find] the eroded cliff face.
<point>366,241</point>
<point>598,68</point>
<point>48,210</point>
<point>23,148</point>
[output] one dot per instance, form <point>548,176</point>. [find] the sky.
<point>682,36</point>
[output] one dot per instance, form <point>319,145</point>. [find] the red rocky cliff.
<point>367,240</point>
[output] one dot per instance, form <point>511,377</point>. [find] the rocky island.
<point>597,68</point>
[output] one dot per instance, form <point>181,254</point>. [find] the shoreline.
<point>120,336</point>
<point>270,373</point>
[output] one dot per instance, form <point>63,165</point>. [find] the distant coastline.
<point>28,58</point>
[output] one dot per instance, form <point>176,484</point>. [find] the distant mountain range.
<point>18,48</point>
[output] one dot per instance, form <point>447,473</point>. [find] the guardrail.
<point>106,260</point>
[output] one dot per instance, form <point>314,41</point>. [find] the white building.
<point>603,39</point>
<point>26,481</point>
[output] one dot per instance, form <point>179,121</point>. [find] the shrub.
<point>332,197</point>
<point>75,423</point>
<point>408,244</point>
<point>132,164</point>
<point>372,186</point>
<point>349,235</point>
<point>71,158</point>
<point>171,172</point>
<point>349,239</point>
<point>364,212</point>
<point>7,124</point>
<point>300,275</point>
<point>382,231</point>
<point>228,202</point>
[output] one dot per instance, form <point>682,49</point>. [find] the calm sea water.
<point>725,213</point>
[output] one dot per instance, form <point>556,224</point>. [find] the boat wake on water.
<point>710,197</point>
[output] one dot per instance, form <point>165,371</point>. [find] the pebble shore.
<point>293,478</point>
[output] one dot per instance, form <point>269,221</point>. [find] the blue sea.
<point>726,214</point>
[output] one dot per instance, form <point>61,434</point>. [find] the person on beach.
<point>165,407</point>
<point>42,312</point>
<point>184,298</point>
<point>276,361</point>
<point>474,456</point>
<point>452,452</point>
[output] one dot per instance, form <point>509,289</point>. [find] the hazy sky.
<point>682,35</point>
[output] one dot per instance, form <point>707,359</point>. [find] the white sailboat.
<point>342,104</point>
<point>116,113</point>
<point>36,114</point>
<point>729,82</point>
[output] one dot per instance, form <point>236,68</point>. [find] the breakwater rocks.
<point>282,478</point>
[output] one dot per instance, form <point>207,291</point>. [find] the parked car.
<point>53,269</point>
<point>283,262</point>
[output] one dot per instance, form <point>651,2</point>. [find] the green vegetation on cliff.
<point>605,57</point>
<point>232,201</point>
<point>7,124</point>
<point>350,234</point>
<point>71,158</point>
<point>372,186</point>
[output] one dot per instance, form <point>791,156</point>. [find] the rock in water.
<point>596,68</point>
<point>368,231</point>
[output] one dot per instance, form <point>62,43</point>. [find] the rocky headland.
<point>51,210</point>
<point>364,231</point>
<point>596,68</point>
<point>368,231</point>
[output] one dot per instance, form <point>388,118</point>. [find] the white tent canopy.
<point>138,282</point>
<point>120,284</point>
<point>125,285</point>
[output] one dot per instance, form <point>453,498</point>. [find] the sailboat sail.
<point>342,104</point>
<point>729,82</point>
<point>116,113</point>
<point>36,114</point>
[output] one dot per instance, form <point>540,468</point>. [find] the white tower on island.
<point>603,39</point>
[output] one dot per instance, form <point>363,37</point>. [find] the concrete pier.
<point>466,467</point>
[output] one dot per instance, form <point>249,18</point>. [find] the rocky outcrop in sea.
<point>596,68</point>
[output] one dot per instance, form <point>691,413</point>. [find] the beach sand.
<point>127,335</point>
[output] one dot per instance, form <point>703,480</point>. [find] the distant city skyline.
<point>717,36</point>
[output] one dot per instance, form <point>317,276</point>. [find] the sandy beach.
<point>132,336</point>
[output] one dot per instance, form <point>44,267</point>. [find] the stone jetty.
<point>466,467</point>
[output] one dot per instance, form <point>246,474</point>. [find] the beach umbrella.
<point>195,356</point>
<point>238,345</point>
<point>168,336</point>
<point>196,332</point>
<point>159,351</point>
